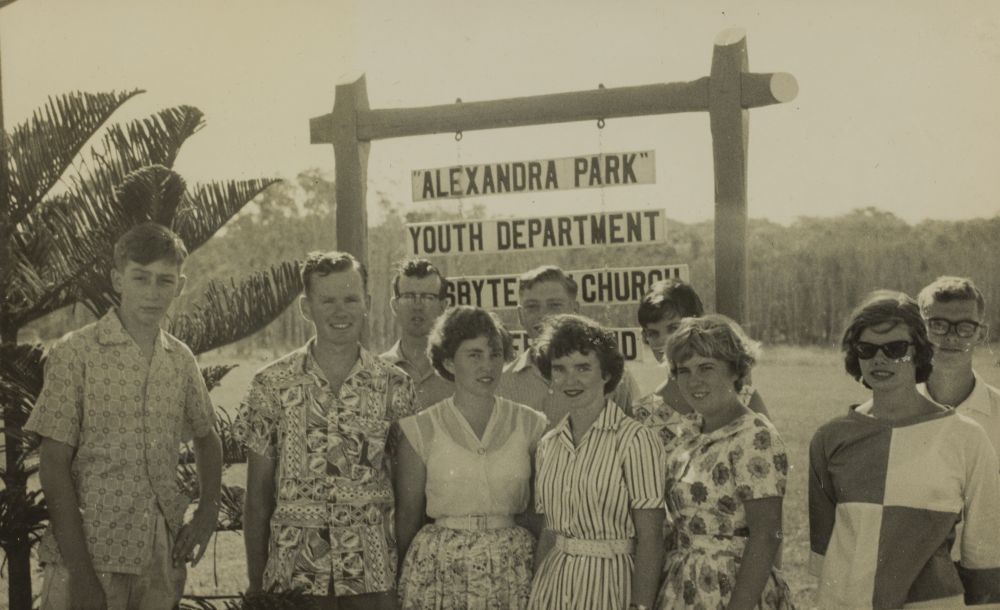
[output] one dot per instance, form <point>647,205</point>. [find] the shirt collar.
<point>610,418</point>
<point>309,369</point>
<point>979,399</point>
<point>111,331</point>
<point>395,353</point>
<point>524,361</point>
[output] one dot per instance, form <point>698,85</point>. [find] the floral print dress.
<point>709,477</point>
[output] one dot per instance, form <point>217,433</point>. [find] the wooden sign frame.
<point>726,94</point>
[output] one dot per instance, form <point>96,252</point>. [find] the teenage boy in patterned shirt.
<point>119,397</point>
<point>319,513</point>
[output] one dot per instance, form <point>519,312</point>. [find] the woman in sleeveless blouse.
<point>466,462</point>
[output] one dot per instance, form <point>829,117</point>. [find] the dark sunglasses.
<point>893,350</point>
<point>966,329</point>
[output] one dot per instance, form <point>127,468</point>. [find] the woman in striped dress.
<point>467,462</point>
<point>599,483</point>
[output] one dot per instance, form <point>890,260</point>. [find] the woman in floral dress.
<point>725,485</point>
<point>467,462</point>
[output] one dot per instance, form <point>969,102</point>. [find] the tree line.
<point>804,278</point>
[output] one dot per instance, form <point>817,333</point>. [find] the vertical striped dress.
<point>586,492</point>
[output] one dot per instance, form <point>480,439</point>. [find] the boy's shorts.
<point>159,587</point>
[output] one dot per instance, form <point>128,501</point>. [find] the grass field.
<point>802,388</point>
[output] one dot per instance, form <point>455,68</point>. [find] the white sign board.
<point>635,227</point>
<point>629,342</point>
<point>608,286</point>
<point>586,171</point>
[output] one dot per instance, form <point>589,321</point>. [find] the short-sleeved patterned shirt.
<point>522,382</point>
<point>333,521</point>
<point>126,421</point>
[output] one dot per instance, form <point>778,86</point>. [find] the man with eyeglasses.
<point>418,299</point>
<point>953,309</point>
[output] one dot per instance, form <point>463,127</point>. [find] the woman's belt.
<point>476,522</point>
<point>595,548</point>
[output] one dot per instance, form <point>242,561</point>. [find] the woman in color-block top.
<point>467,462</point>
<point>889,481</point>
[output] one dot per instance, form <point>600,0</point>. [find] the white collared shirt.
<point>982,405</point>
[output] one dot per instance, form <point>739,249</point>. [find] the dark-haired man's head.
<point>661,310</point>
<point>147,274</point>
<point>542,292</point>
<point>418,296</point>
<point>335,297</point>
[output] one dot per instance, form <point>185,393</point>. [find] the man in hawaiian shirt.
<point>316,422</point>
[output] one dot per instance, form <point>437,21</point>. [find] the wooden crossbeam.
<point>726,94</point>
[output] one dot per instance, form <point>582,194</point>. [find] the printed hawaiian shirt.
<point>126,421</point>
<point>333,521</point>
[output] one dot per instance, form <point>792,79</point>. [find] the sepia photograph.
<point>440,305</point>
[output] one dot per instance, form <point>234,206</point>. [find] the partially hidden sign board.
<point>629,342</point>
<point>608,286</point>
<point>624,228</point>
<point>585,171</point>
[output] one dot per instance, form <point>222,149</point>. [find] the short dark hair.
<point>325,263</point>
<point>147,243</point>
<point>457,325</point>
<point>546,273</point>
<point>714,336</point>
<point>948,288</point>
<point>669,297</point>
<point>565,334</point>
<point>418,268</point>
<point>884,307</point>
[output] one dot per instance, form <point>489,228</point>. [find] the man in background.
<point>542,292</point>
<point>418,299</point>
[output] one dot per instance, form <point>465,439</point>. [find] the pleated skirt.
<point>450,569</point>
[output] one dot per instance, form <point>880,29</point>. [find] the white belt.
<point>476,522</point>
<point>595,548</point>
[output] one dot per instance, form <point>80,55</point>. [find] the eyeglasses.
<point>410,298</point>
<point>894,350</point>
<point>966,329</point>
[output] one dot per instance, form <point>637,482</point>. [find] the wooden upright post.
<point>351,171</point>
<point>730,132</point>
<point>727,93</point>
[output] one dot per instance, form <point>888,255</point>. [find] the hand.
<point>85,591</point>
<point>196,533</point>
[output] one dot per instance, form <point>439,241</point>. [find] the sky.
<point>896,106</point>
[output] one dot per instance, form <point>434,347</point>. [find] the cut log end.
<point>784,87</point>
<point>730,36</point>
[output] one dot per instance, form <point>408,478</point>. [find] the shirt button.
<point>481,452</point>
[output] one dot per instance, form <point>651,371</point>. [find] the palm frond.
<point>21,371</point>
<point>43,147</point>
<point>84,222</point>
<point>231,509</point>
<point>211,206</point>
<point>229,311</point>
<point>213,374</point>
<point>23,515</point>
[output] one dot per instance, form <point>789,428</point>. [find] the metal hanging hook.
<point>600,122</point>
